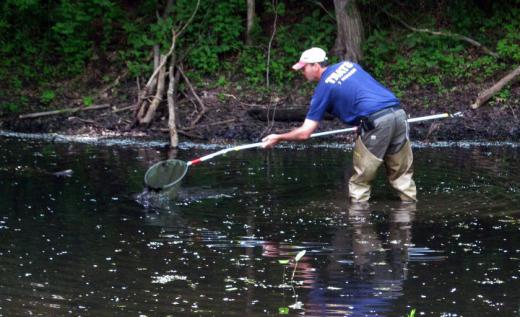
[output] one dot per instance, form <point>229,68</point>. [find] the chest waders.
<point>386,142</point>
<point>365,165</point>
<point>400,171</point>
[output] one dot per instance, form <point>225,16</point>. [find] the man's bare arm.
<point>299,134</point>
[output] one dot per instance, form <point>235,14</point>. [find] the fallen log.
<point>61,111</point>
<point>488,93</point>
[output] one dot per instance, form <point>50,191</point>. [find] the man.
<point>356,98</point>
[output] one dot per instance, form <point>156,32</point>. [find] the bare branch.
<point>330,15</point>
<point>274,3</point>
<point>448,34</point>
<point>189,20</point>
<point>199,101</point>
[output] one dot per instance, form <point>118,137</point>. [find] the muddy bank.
<point>233,117</point>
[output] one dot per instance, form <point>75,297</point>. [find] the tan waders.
<point>388,142</point>
<point>365,168</point>
<point>399,171</point>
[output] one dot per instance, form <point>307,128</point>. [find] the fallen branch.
<point>448,34</point>
<point>488,93</point>
<point>123,109</point>
<point>61,111</point>
<point>82,120</point>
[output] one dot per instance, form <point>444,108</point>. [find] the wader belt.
<point>383,112</point>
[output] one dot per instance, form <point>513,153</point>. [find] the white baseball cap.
<point>312,55</point>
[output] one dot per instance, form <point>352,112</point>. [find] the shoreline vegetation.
<point>220,71</point>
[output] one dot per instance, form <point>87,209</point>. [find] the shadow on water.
<point>95,243</point>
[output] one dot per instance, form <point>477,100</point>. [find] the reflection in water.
<point>367,268</point>
<point>359,271</point>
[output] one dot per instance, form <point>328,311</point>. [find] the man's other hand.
<point>270,141</point>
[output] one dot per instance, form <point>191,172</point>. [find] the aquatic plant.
<point>296,259</point>
<point>297,304</point>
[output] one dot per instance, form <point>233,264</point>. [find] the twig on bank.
<point>82,120</point>
<point>123,109</point>
<point>61,111</point>
<point>513,112</point>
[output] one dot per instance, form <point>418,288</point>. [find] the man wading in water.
<point>351,94</point>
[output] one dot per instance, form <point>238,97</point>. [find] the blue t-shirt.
<point>348,92</point>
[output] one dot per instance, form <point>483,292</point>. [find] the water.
<point>86,244</point>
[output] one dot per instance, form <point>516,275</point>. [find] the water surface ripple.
<point>85,243</point>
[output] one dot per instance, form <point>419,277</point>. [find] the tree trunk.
<point>171,96</point>
<point>250,20</point>
<point>349,30</point>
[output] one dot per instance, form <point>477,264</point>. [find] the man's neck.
<point>321,71</point>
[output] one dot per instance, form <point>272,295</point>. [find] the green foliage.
<point>88,101</point>
<point>289,41</point>
<point>65,36</point>
<point>410,58</point>
<point>216,31</point>
<point>16,104</point>
<point>509,45</point>
<point>82,29</point>
<point>9,107</point>
<point>43,41</point>
<point>221,81</point>
<point>47,96</point>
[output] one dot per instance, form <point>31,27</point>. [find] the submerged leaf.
<point>299,255</point>
<point>283,310</point>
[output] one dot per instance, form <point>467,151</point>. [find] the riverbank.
<point>231,116</point>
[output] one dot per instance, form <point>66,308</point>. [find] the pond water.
<point>88,244</point>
